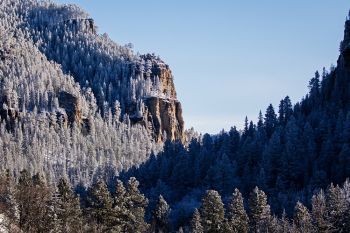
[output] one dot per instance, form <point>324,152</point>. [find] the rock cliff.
<point>163,112</point>
<point>106,75</point>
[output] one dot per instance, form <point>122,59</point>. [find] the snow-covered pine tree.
<point>101,206</point>
<point>196,222</point>
<point>67,209</point>
<point>212,212</point>
<point>302,218</point>
<point>260,212</point>
<point>136,204</point>
<point>319,213</point>
<point>336,208</point>
<point>160,221</point>
<point>237,217</point>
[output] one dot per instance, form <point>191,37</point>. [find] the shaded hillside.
<point>290,153</point>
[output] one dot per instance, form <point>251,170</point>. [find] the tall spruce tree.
<point>237,217</point>
<point>67,206</point>
<point>212,212</point>
<point>336,208</point>
<point>319,213</point>
<point>160,221</point>
<point>270,120</point>
<point>302,218</point>
<point>196,222</point>
<point>101,203</point>
<point>136,203</point>
<point>123,218</point>
<point>260,212</point>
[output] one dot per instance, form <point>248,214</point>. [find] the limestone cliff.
<point>164,117</point>
<point>163,113</point>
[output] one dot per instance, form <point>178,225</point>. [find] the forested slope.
<point>73,102</point>
<point>77,108</point>
<point>291,152</point>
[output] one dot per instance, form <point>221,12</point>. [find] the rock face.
<point>82,24</point>
<point>164,118</point>
<point>10,115</point>
<point>163,114</point>
<point>71,105</point>
<point>162,70</point>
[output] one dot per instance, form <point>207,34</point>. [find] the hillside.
<point>73,102</point>
<point>92,139</point>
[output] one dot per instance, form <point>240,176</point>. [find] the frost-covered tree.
<point>337,208</point>
<point>101,205</point>
<point>319,213</point>
<point>212,212</point>
<point>160,221</point>
<point>196,222</point>
<point>67,209</point>
<point>260,213</point>
<point>302,218</point>
<point>237,216</point>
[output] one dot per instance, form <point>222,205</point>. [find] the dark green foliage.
<point>136,203</point>
<point>270,120</point>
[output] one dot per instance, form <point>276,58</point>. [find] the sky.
<point>229,58</point>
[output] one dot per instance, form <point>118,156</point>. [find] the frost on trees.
<point>66,92</point>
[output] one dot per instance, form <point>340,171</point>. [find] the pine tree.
<point>314,85</point>
<point>259,211</point>
<point>212,212</point>
<point>285,225</point>
<point>270,120</point>
<point>101,203</point>
<point>136,204</point>
<point>336,208</point>
<point>69,214</point>
<point>237,216</point>
<point>302,218</point>
<point>196,222</point>
<point>8,203</point>
<point>260,123</point>
<point>122,216</point>
<point>34,204</point>
<point>160,222</point>
<point>319,213</point>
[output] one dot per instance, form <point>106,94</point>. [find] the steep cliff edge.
<point>118,81</point>
<point>163,112</point>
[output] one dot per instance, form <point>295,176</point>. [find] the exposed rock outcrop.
<point>10,116</point>
<point>79,24</point>
<point>163,114</point>
<point>71,105</point>
<point>162,70</point>
<point>165,117</point>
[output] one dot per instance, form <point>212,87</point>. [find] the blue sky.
<point>229,58</point>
